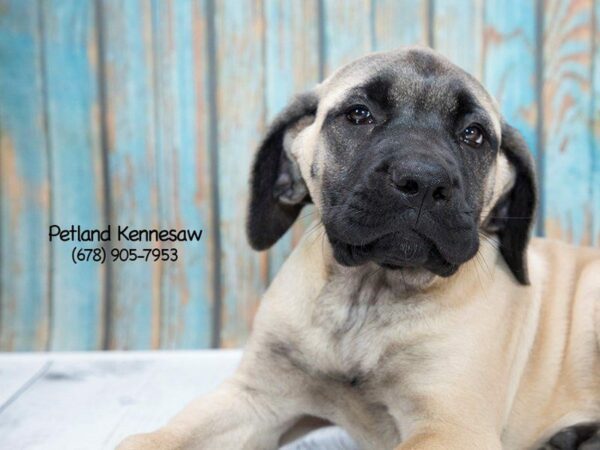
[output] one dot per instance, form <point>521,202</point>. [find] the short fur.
<point>415,321</point>
<point>269,216</point>
<point>513,214</point>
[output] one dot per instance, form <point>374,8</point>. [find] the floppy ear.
<point>513,214</point>
<point>277,190</point>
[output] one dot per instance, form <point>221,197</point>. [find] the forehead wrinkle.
<point>370,85</point>
<point>420,79</point>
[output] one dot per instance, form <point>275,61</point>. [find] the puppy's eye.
<point>472,135</point>
<point>359,115</point>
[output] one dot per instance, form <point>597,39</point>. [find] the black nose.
<point>421,182</point>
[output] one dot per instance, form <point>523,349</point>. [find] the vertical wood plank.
<point>184,178</point>
<point>156,87</point>
<point>134,314</point>
<point>24,183</point>
<point>595,130</point>
<point>568,113</point>
<point>348,32</point>
<point>71,73</point>
<point>399,23</point>
<point>509,72</point>
<point>457,32</point>
<point>239,28</point>
<point>292,66</point>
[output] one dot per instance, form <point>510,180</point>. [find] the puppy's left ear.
<point>277,189</point>
<point>513,214</point>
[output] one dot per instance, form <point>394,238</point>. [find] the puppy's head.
<point>406,159</point>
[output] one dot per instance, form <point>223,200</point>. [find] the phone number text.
<point>99,254</point>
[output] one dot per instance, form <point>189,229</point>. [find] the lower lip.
<point>391,266</point>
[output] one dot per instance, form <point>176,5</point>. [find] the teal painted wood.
<point>292,66</point>
<point>399,23</point>
<point>156,79</point>
<point>130,121</point>
<point>570,152</point>
<point>24,184</point>
<point>348,32</point>
<point>594,135</point>
<point>71,74</point>
<point>509,71</point>
<point>239,34</point>
<point>184,177</point>
<point>457,32</point>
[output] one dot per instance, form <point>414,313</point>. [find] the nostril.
<point>408,186</point>
<point>440,193</point>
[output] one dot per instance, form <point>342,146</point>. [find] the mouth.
<point>395,251</point>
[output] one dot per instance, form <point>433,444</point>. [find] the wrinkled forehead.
<point>415,80</point>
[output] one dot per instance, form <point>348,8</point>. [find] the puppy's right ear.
<point>277,190</point>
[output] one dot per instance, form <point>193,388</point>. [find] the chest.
<point>361,343</point>
<point>365,332</point>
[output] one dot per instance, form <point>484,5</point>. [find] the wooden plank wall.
<point>146,113</point>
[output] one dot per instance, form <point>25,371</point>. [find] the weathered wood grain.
<point>71,73</point>
<point>457,32</point>
<point>16,377</point>
<point>103,397</point>
<point>239,34</point>
<point>291,67</point>
<point>348,32</point>
<point>94,400</point>
<point>127,30</point>
<point>595,133</point>
<point>509,71</point>
<point>196,374</point>
<point>134,79</point>
<point>24,181</point>
<point>399,23</point>
<point>183,169</point>
<point>570,155</point>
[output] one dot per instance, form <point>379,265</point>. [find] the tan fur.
<point>474,361</point>
<point>404,359</point>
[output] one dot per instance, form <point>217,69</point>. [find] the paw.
<point>585,436</point>
<point>149,441</point>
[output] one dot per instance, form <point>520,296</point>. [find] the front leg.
<point>263,399</point>
<point>236,416</point>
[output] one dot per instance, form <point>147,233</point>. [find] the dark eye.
<point>359,115</point>
<point>472,135</point>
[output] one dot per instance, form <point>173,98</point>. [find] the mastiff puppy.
<point>416,313</point>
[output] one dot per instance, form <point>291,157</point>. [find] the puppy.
<point>415,313</point>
